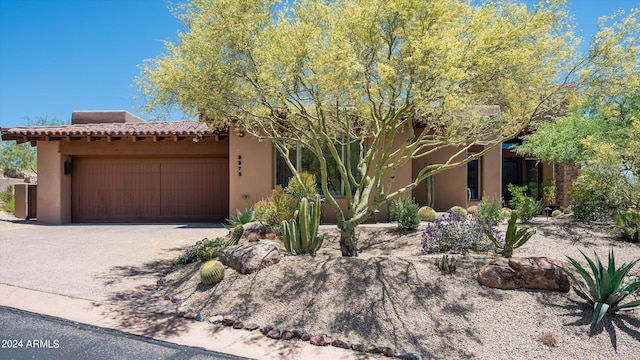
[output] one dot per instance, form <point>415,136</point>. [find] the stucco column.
<point>54,187</point>
<point>492,172</point>
<point>250,171</point>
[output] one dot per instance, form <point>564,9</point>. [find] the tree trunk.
<point>348,243</point>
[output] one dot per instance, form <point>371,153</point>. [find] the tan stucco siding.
<point>251,170</point>
<point>450,185</point>
<point>491,165</point>
<point>54,188</point>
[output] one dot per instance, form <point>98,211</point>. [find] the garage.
<point>149,189</point>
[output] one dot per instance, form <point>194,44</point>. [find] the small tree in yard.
<point>344,79</point>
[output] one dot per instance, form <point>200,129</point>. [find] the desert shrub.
<point>603,288</point>
<point>629,222</point>
<point>455,233</point>
<point>490,210</point>
<point>405,212</point>
<point>548,189</point>
<point>306,189</point>
<point>203,250</point>
<point>278,207</point>
<point>6,197</point>
<point>241,218</point>
<point>526,206</point>
<point>587,204</point>
<point>446,263</point>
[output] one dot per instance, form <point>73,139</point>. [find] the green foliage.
<point>311,74</point>
<point>526,206</point>
<point>211,272</point>
<point>490,210</point>
<point>202,250</point>
<point>446,263</point>
<point>548,189</point>
<point>275,209</point>
<point>629,222</point>
<point>513,238</point>
<point>6,196</point>
<point>210,249</point>
<point>586,203</point>
<point>236,235</point>
<point>426,213</point>
<point>300,234</point>
<point>15,158</point>
<point>306,189</point>
<point>241,218</point>
<point>405,212</point>
<point>604,289</point>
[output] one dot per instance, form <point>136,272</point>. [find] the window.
<point>532,177</point>
<point>305,160</point>
<point>473,178</point>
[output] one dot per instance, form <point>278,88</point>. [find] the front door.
<point>511,174</point>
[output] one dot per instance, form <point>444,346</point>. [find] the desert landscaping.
<point>392,296</point>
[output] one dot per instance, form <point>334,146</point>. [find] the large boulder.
<point>258,230</point>
<point>533,272</point>
<point>250,257</point>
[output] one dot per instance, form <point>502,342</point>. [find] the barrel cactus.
<point>426,213</point>
<point>556,213</point>
<point>211,272</point>
<point>459,209</point>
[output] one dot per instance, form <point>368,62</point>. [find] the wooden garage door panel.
<point>137,190</point>
<point>195,189</point>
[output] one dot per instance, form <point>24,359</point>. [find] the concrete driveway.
<point>93,261</point>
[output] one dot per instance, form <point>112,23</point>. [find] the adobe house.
<point>111,166</point>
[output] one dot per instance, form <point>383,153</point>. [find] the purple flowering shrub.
<point>455,232</point>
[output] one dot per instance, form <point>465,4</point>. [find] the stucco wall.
<point>251,170</point>
<point>145,147</point>
<point>54,188</point>
<point>450,185</point>
<point>491,181</point>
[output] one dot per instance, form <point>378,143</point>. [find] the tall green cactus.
<point>430,191</point>
<point>237,233</point>
<point>300,234</point>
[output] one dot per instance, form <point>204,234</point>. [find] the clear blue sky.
<point>57,56</point>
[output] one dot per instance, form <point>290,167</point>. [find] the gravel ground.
<point>391,295</point>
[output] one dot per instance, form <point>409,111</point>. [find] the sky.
<point>58,56</point>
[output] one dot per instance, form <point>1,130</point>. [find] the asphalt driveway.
<point>93,261</point>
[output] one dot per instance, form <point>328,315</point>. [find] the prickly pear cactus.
<point>211,272</point>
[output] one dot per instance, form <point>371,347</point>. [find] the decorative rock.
<point>228,322</point>
<point>189,314</point>
<point>472,209</point>
<point>199,317</point>
<point>372,349</point>
<point>341,344</point>
<point>257,230</point>
<point>409,357</point>
<point>298,334</point>
<point>251,327</point>
<point>320,340</point>
<point>215,319</point>
<point>274,334</point>
<point>238,324</point>
<point>250,257</point>
<point>388,351</point>
<point>305,336</point>
<point>265,329</point>
<point>286,335</point>
<point>358,347</point>
<point>515,273</point>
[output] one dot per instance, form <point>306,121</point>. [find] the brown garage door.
<point>149,189</point>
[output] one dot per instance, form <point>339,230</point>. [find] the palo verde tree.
<point>355,75</point>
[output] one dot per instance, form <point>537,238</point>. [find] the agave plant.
<point>241,218</point>
<point>513,238</point>
<point>603,288</point>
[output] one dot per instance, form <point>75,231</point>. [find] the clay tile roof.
<point>143,129</point>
